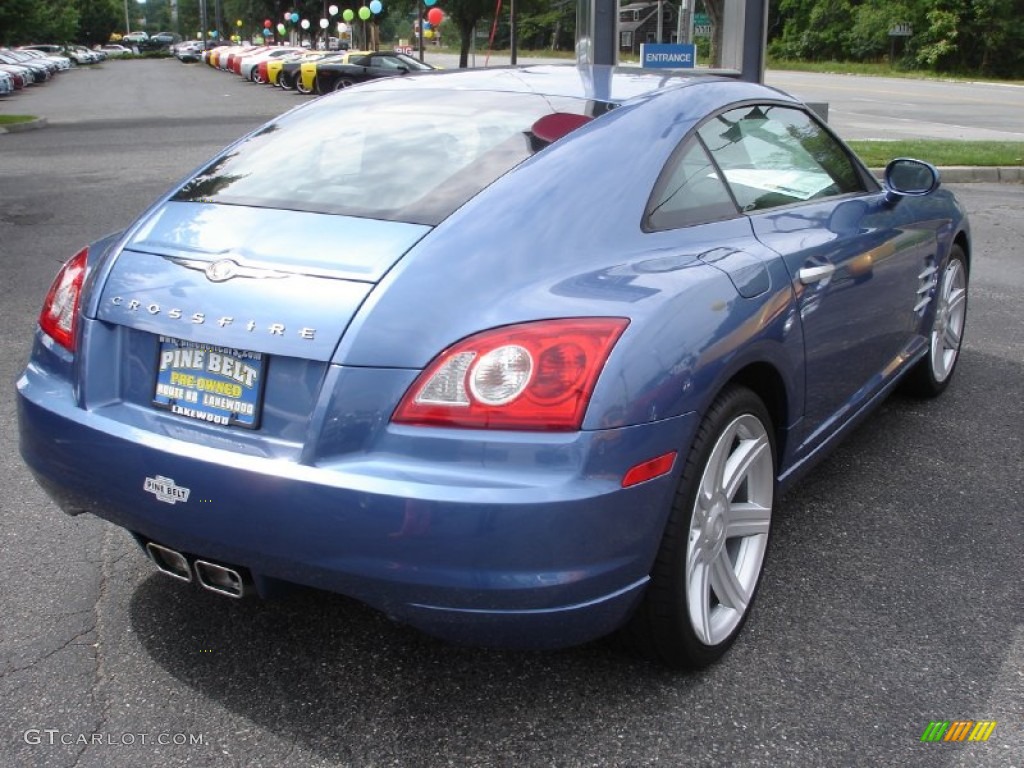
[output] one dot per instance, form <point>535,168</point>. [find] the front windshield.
<point>410,155</point>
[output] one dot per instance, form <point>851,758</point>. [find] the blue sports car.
<point>520,357</point>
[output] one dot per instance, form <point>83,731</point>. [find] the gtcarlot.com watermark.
<point>55,737</point>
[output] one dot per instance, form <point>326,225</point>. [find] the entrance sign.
<point>668,55</point>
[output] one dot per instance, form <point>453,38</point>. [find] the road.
<point>893,594</point>
<point>882,107</point>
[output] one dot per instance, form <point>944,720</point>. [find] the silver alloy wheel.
<point>950,315</point>
<point>729,527</point>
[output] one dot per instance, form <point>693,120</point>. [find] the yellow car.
<point>306,81</point>
<point>276,67</point>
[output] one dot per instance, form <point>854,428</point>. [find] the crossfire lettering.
<point>200,318</point>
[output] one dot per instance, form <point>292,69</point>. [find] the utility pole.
<point>202,21</point>
<point>512,29</point>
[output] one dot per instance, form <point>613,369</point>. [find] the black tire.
<point>300,86</point>
<point>342,83</point>
<point>697,552</point>
<point>285,82</point>
<point>932,374</point>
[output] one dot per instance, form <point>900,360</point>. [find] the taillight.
<point>532,376</point>
<point>59,317</point>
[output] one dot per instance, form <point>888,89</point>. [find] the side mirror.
<point>905,177</point>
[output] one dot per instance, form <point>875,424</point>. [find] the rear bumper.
<point>535,558</point>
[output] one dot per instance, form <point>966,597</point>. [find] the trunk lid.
<point>273,281</point>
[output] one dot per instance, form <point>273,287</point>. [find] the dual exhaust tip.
<point>211,576</point>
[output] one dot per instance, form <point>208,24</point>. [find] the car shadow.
<point>861,583</point>
<point>321,670</point>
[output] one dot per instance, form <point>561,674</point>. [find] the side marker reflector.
<point>650,469</point>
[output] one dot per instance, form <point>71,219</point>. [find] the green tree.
<point>868,37</point>
<point>97,19</point>
<point>466,14</point>
<point>44,21</point>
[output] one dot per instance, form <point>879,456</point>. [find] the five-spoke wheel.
<point>712,553</point>
<point>933,373</point>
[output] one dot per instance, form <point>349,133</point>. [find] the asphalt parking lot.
<point>893,594</point>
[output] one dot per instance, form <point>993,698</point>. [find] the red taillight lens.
<point>532,376</point>
<point>59,317</point>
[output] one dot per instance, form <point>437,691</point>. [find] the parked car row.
<point>309,72</point>
<point>75,54</point>
<point>31,65</point>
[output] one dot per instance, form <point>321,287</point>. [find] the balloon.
<point>429,2</point>
<point>429,34</point>
<point>281,29</point>
<point>427,25</point>
<point>267,33</point>
<point>238,23</point>
<point>295,18</point>
<point>305,24</point>
<point>364,13</point>
<point>333,10</point>
<point>436,16</point>
<point>324,23</point>
<point>342,27</point>
<point>348,15</point>
<point>376,6</point>
<point>214,33</point>
<point>268,24</point>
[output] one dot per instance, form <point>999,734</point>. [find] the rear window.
<point>412,155</point>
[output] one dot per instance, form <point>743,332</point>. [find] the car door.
<point>857,275</point>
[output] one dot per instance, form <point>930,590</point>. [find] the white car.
<point>190,50</point>
<point>114,50</point>
<point>82,55</point>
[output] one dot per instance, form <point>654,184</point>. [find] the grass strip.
<point>942,152</point>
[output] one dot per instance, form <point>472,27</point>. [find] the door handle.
<point>810,275</point>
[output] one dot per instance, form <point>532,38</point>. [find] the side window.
<point>688,192</point>
<point>773,155</point>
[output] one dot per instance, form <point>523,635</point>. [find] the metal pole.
<point>755,36</point>
<point>127,21</point>
<point>202,21</point>
<point>419,29</point>
<point>606,31</point>
<point>512,29</point>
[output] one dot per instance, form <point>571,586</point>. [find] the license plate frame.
<point>216,385</point>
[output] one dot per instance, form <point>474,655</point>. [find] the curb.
<point>28,125</point>
<point>969,174</point>
<point>960,174</point>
